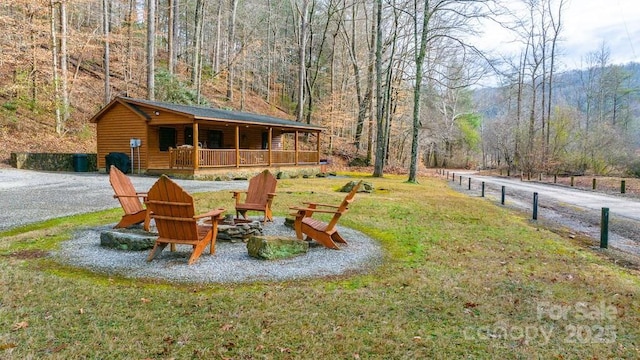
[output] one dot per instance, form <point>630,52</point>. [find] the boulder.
<point>128,239</point>
<point>275,247</point>
<point>289,222</point>
<point>366,187</point>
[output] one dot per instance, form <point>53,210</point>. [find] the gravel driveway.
<point>32,196</point>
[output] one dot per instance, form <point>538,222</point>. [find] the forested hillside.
<point>592,124</point>
<point>392,82</point>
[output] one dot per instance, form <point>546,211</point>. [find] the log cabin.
<point>201,142</point>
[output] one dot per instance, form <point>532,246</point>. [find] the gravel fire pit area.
<point>230,263</point>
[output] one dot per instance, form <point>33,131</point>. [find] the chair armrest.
<point>323,205</point>
<point>130,196</point>
<point>301,209</point>
<point>236,194</point>
<point>212,214</point>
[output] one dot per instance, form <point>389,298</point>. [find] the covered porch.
<point>251,145</point>
<point>212,158</point>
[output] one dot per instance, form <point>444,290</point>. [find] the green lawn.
<point>462,278</point>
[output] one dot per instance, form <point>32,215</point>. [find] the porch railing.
<point>182,158</point>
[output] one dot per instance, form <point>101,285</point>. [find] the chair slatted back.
<point>344,206</point>
<point>173,210</point>
<point>124,191</point>
<point>259,187</point>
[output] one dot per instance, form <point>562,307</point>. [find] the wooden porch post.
<point>318,147</point>
<point>237,146</point>
<point>196,148</point>
<point>296,147</point>
<point>269,144</point>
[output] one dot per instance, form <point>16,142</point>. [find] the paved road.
<point>31,196</point>
<point>579,210</point>
<point>618,205</point>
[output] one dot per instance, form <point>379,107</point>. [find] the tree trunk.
<point>370,81</point>
<point>151,70</point>
<point>197,46</point>
<point>129,47</point>
<point>173,29</point>
<point>302,47</point>
<point>378,168</point>
<point>218,46</point>
<point>34,65</point>
<point>64,65</point>
<point>233,4</point>
<point>268,50</point>
<point>55,72</point>
<point>105,32</point>
<point>417,89</point>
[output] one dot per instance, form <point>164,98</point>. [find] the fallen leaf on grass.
<point>145,300</point>
<point>226,327</point>
<point>20,325</point>
<point>7,346</point>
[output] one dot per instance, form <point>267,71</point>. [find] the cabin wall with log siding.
<point>118,125</point>
<point>116,128</point>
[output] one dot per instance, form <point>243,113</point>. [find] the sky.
<point>587,23</point>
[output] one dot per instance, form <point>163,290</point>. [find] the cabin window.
<point>188,136</point>
<point>214,140</point>
<point>167,137</point>
<point>265,140</point>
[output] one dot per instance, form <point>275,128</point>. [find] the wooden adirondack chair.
<point>259,196</point>
<point>130,200</point>
<point>174,212</point>
<point>322,232</point>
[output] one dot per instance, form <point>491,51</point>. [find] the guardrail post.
<point>535,206</point>
<point>460,180</point>
<point>469,187</point>
<point>503,194</point>
<point>604,229</point>
<point>593,186</point>
<point>623,187</point>
<point>482,189</point>
<point>555,178</point>
<point>571,181</point>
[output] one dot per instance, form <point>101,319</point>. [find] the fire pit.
<point>238,230</point>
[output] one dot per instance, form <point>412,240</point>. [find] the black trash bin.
<point>80,163</point>
<point>119,160</point>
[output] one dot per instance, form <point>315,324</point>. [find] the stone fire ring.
<point>230,263</point>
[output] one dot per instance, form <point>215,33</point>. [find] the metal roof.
<point>207,113</point>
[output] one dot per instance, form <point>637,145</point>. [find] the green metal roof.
<point>207,113</point>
